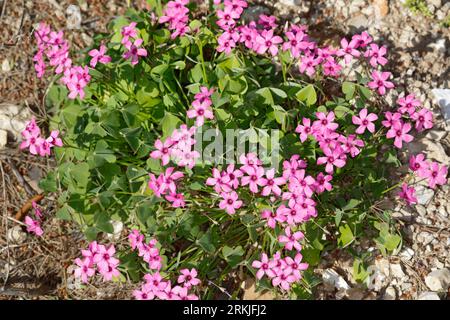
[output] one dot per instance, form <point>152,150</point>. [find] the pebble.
<point>424,194</point>
<point>428,296</point>
<point>397,271</point>
<point>438,280</point>
<point>390,294</point>
<point>16,235</point>
<point>73,20</point>
<point>3,138</point>
<point>407,253</point>
<point>332,279</point>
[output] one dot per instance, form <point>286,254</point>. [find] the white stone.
<point>13,119</point>
<point>424,194</point>
<point>407,253</point>
<point>397,271</point>
<point>390,294</point>
<point>428,296</point>
<point>16,235</point>
<point>3,138</point>
<point>443,99</point>
<point>117,227</point>
<point>332,279</point>
<point>73,20</point>
<point>6,66</point>
<point>438,280</point>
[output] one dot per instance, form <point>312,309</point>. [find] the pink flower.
<point>300,183</point>
<point>376,54</point>
<point>254,178</point>
<point>163,151</point>
<point>37,212</point>
<point>408,104</point>
<point>110,271</point>
<point>155,281</point>
<point>134,51</point>
<point>271,184</point>
<point>423,119</point>
<point>128,32</point>
<point>419,164</point>
<point>325,122</point>
<point>290,239</point>
<point>169,178</point>
<point>33,226</point>
<point>290,167</point>
<point>230,202</point>
<point>268,42</point>
<point>248,36</point>
<point>227,41</point>
<point>362,40</point>
<point>379,82</point>
<point>145,293</point>
<point>296,43</point>
<point>177,200</point>
<point>296,265</point>
<point>364,121</point>
<point>227,18</point>
<point>85,269</point>
<point>44,147</point>
<point>54,140</point>
<point>391,119</point>
<point>332,158</point>
<point>188,278</point>
<point>348,50</point>
<point>219,181</point>
<point>283,278</point>
<point>136,239</point>
<point>265,267</point>
<point>105,257</point>
<point>272,218</point>
<point>268,22</point>
<point>408,194</point>
<point>308,64</point>
<point>249,160</point>
<point>233,176</point>
<point>31,141</point>
<point>99,56</point>
<point>399,131</point>
<point>200,112</point>
<point>437,175</point>
<point>323,183</point>
<point>183,294</point>
<point>351,144</point>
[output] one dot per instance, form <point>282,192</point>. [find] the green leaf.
<point>169,123</point>
<point>346,236</point>
<point>266,96</point>
<point>280,93</point>
<point>348,88</point>
<point>352,203</point>
<point>206,242</point>
<point>48,184</point>
<point>307,94</point>
<point>233,255</point>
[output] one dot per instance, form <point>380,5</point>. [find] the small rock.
<point>117,227</point>
<point>73,20</point>
<point>16,235</point>
<point>428,296</point>
<point>438,280</point>
<point>424,194</point>
<point>381,7</point>
<point>3,138</point>
<point>421,210</point>
<point>6,66</point>
<point>359,21</point>
<point>443,98</point>
<point>390,294</point>
<point>332,279</point>
<point>13,119</point>
<point>439,45</point>
<point>407,253</point>
<point>397,271</point>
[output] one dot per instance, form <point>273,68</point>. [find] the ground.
<point>420,60</point>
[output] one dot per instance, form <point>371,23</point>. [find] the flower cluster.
<point>34,226</point>
<point>431,171</point>
<point>155,286</point>
<point>176,15</point>
<point>97,257</point>
<point>53,45</point>
<point>282,271</point>
<point>36,144</point>
<point>133,49</point>
<point>399,123</point>
<point>201,106</point>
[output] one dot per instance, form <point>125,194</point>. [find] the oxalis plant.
<point>228,148</point>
